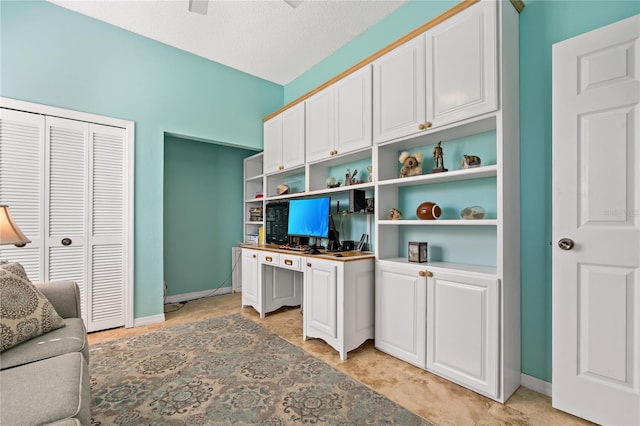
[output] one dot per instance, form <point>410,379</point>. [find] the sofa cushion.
<point>46,391</point>
<point>72,338</point>
<point>24,312</point>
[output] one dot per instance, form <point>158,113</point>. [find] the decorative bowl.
<point>473,212</point>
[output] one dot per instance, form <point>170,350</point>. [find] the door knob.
<point>565,243</point>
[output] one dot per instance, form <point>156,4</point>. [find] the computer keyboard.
<point>294,248</point>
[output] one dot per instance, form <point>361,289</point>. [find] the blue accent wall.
<point>542,23</point>
<point>203,213</point>
<point>53,56</point>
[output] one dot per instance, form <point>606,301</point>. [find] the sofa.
<point>45,379</point>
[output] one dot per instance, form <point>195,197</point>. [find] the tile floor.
<point>436,399</point>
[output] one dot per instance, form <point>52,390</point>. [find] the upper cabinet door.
<point>353,112</point>
<point>399,92</point>
<point>320,125</point>
<point>461,70</point>
<point>293,137</point>
<point>273,144</point>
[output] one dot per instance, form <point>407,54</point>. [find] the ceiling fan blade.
<point>199,6</point>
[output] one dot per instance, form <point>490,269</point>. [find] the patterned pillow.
<point>24,311</point>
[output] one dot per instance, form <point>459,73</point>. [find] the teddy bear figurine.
<point>410,164</point>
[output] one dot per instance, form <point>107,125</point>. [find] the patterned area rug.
<point>227,370</point>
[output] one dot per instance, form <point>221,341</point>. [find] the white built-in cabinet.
<point>253,195</point>
<point>401,311</point>
<point>338,302</point>
<point>445,75</point>
<point>284,140</point>
<point>463,329</point>
<point>338,118</point>
<point>273,280</point>
<point>458,314</point>
<point>249,260</point>
<point>399,92</point>
<point>67,183</point>
<point>469,306</point>
<point>462,65</point>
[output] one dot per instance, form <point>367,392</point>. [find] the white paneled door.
<point>596,224</point>
<point>66,183</point>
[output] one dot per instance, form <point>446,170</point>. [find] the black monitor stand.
<point>313,247</point>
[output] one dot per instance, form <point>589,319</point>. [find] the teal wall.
<point>53,56</point>
<point>542,23</point>
<point>202,213</point>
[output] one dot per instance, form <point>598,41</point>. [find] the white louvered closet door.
<point>85,216</point>
<point>64,181</point>
<point>22,185</point>
<point>106,227</point>
<point>66,147</point>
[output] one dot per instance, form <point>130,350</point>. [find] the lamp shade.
<point>9,231</point>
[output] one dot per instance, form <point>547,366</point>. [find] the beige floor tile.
<point>432,397</point>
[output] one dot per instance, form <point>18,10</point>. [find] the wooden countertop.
<point>345,255</point>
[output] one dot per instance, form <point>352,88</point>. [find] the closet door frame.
<point>128,174</point>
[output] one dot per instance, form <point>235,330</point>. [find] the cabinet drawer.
<point>290,262</point>
<point>269,258</point>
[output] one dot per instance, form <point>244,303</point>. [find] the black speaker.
<point>357,202</point>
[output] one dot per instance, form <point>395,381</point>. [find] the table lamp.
<point>9,231</point>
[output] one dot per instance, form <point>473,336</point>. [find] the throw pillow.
<point>25,312</point>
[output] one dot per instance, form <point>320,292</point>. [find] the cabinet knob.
<point>280,167</point>
<point>254,256</point>
<point>268,258</point>
<point>309,264</point>
<point>423,126</point>
<point>335,152</point>
<point>425,273</point>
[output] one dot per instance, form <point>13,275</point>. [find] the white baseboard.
<point>137,322</point>
<point>176,298</point>
<point>535,384</point>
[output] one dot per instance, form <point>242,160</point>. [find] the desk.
<point>338,297</point>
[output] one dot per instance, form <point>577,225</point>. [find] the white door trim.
<point>128,167</point>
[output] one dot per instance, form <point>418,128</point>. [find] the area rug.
<point>223,371</point>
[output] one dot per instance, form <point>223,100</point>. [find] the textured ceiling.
<point>266,38</point>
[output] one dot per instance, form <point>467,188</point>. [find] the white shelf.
<point>489,271</point>
<point>254,178</point>
<point>439,222</point>
<point>326,191</point>
<point>451,176</point>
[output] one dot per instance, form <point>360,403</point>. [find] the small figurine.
<point>370,171</point>
<point>470,161</point>
<point>438,157</point>
<point>349,178</point>
<point>410,164</point>
<point>332,182</point>
<point>395,214</point>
